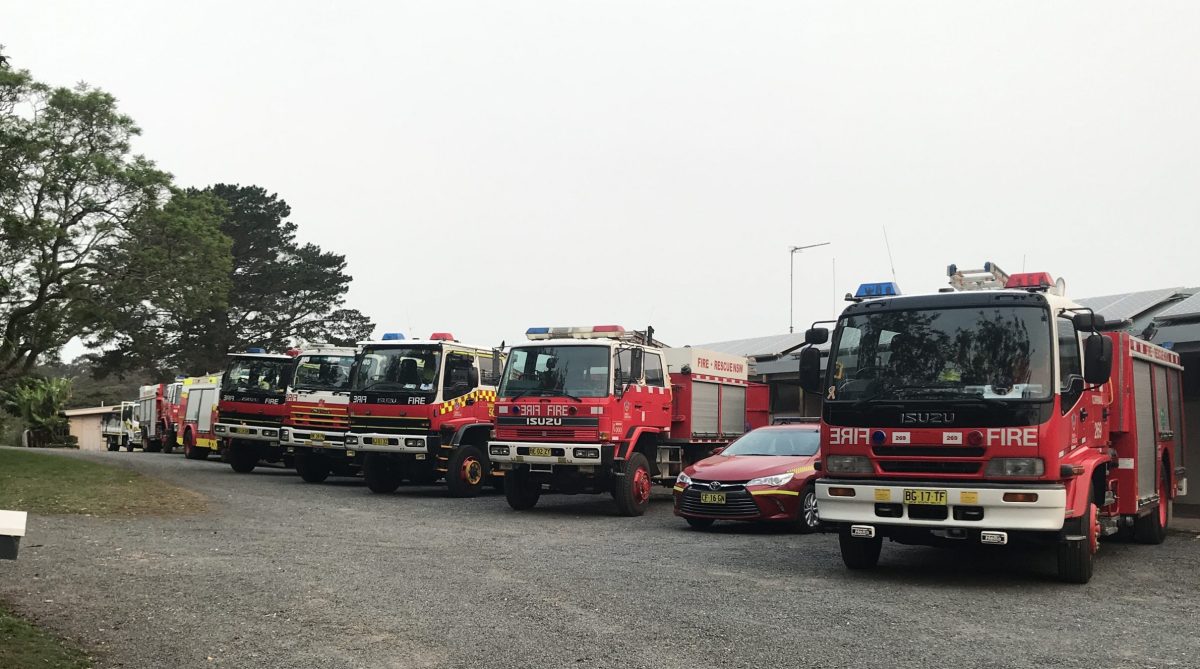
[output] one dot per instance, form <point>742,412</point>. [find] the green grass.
<point>23,645</point>
<point>51,484</point>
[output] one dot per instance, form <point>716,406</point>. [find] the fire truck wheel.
<point>521,493</point>
<point>1152,527</point>
<point>169,442</point>
<point>113,445</point>
<point>1075,558</point>
<point>382,475</point>
<point>859,553</point>
<point>312,468</point>
<point>242,459</point>
<point>632,490</point>
<point>127,444</point>
<point>700,523</point>
<point>466,472</point>
<point>807,518</point>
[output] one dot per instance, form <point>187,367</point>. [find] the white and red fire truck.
<point>318,399</point>
<point>158,406</point>
<point>604,410</point>
<point>421,410</point>
<point>197,416</point>
<point>252,407</point>
<point>994,412</point>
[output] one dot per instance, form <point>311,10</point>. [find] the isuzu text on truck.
<point>252,407</point>
<point>602,410</point>
<point>421,410</point>
<point>318,400</point>
<point>996,411</point>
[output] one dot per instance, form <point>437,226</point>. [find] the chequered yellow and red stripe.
<point>480,395</point>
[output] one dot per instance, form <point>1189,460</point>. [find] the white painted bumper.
<point>249,432</point>
<point>517,453</point>
<point>1046,514</point>
<point>302,436</point>
<point>388,443</point>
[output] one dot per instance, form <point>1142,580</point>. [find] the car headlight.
<point>848,464</point>
<point>776,480</point>
<point>683,479</point>
<point>1020,467</point>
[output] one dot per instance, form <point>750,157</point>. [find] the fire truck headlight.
<point>1020,467</point>
<point>848,464</point>
<point>498,450</point>
<point>269,433</point>
<point>586,453</point>
<point>221,429</point>
<point>776,480</point>
<point>683,479</point>
<point>414,443</point>
<point>285,435</point>
<point>351,440</point>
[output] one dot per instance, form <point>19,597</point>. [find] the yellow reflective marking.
<point>883,494</point>
<point>968,497</point>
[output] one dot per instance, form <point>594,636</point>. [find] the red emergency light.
<point>442,336</point>
<point>292,352</point>
<point>607,328</point>
<point>1033,280</point>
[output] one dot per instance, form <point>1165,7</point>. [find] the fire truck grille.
<point>929,451</point>
<point>249,419</point>
<point>928,467</point>
<point>389,425</point>
<point>738,504</point>
<point>333,419</point>
<point>547,434</point>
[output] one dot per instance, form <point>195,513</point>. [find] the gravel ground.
<point>285,574</point>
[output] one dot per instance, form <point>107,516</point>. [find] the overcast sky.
<point>491,166</point>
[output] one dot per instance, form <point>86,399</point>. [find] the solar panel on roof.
<point>1129,305</point>
<point>1183,309</point>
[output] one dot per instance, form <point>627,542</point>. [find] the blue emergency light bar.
<point>589,332</point>
<point>882,289</point>
<point>256,350</point>
<point>393,336</point>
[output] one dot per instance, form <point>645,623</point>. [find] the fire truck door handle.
<point>1083,414</point>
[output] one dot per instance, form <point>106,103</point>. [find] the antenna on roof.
<point>888,246</point>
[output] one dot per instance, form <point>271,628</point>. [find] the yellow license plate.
<point>241,430</point>
<point>316,437</point>
<point>934,497</point>
<point>541,452</point>
<point>712,498</point>
<point>377,441</point>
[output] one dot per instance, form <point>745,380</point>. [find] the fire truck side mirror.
<point>1086,321</point>
<point>473,377</point>
<point>810,370</point>
<point>635,365</point>
<point>816,336</point>
<point>1097,359</point>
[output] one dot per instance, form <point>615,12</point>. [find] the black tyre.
<point>190,450</point>
<point>381,473</point>
<point>808,519</point>
<point>699,523</point>
<point>127,444</point>
<point>149,445</point>
<point>859,553</point>
<point>243,459</point>
<point>467,471</point>
<point>312,468</point>
<point>168,442</point>
<point>631,491</point>
<point>113,445</point>
<point>1076,557</point>
<point>521,492</point>
<point>1152,527</point>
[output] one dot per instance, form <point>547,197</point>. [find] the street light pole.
<point>792,282</point>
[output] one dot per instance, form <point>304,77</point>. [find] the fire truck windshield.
<point>261,375</point>
<point>568,371</point>
<point>993,353</point>
<point>398,369</point>
<point>323,372</point>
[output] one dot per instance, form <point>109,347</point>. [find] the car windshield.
<point>776,442</point>
<point>992,353</point>
<point>398,369</point>
<point>323,372</point>
<point>256,374</point>
<point>575,371</point>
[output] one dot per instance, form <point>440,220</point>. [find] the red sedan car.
<point>766,475</point>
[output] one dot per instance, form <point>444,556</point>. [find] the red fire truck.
<point>994,412</point>
<point>421,410</point>
<point>252,407</point>
<point>159,411</point>
<point>602,410</point>
<point>197,415</point>
<point>318,398</point>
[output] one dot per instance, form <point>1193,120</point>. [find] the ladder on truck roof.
<point>991,277</point>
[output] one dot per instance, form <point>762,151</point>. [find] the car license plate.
<point>241,430</point>
<point>316,437</point>
<point>712,498</point>
<point>377,441</point>
<point>541,452</point>
<point>934,497</point>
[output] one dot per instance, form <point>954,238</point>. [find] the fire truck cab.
<point>995,411</point>
<point>252,407</point>
<point>602,410</point>
<point>121,428</point>
<point>421,410</point>
<point>318,400</point>
<point>158,406</point>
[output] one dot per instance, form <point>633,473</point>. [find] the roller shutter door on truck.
<point>208,398</point>
<point>705,409</point>
<point>733,410</point>
<point>1144,400</point>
